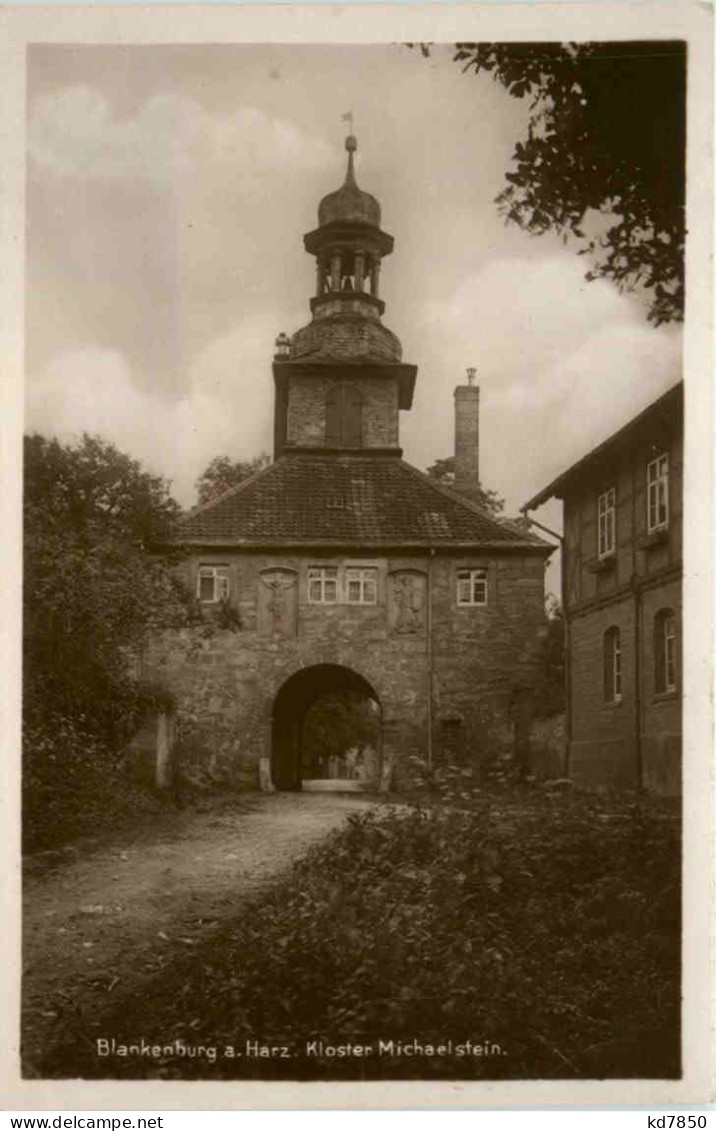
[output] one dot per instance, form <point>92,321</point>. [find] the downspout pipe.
<point>638,751</point>
<point>566,630</point>
<point>430,661</point>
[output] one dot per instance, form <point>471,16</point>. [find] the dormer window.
<point>657,483</point>
<point>212,584</point>
<point>606,508</point>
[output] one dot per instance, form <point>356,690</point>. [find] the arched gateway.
<point>326,731</point>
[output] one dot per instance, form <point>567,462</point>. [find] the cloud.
<point>561,364</point>
<point>226,410</point>
<point>75,133</point>
<point>164,254</point>
<point>535,306</point>
<point>553,402</point>
<point>149,235</point>
<point>91,390</point>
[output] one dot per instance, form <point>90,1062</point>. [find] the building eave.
<point>258,545</point>
<point>405,372</point>
<point>556,489</point>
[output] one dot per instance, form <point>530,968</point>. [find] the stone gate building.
<point>341,569</point>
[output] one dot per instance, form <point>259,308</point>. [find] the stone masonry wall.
<point>307,411</point>
<point>602,747</point>
<point>226,678</point>
<point>484,655</point>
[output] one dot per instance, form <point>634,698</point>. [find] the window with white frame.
<point>361,586</point>
<point>607,523</point>
<point>612,666</point>
<point>472,587</point>
<point>665,651</point>
<point>322,585</point>
<point>657,483</point>
<point>212,584</point>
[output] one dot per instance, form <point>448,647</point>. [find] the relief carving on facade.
<point>278,603</point>
<point>406,602</point>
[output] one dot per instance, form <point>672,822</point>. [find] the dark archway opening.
<point>326,731</point>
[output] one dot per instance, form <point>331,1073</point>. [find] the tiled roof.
<point>357,500</point>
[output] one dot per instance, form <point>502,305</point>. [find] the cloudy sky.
<point>168,189</point>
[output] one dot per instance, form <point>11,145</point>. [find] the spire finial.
<point>471,374</point>
<point>351,146</point>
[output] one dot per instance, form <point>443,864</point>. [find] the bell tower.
<point>340,380</point>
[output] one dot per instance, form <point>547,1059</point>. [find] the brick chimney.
<point>467,435</point>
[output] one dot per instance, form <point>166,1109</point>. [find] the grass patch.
<point>545,926</point>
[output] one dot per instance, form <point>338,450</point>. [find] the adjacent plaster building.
<point>622,571</point>
<point>341,569</point>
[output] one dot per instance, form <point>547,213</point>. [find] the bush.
<point>93,593</point>
<point>547,926</point>
<point>73,784</point>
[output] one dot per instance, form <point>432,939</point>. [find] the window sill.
<point>655,538</point>
<point>666,696</point>
<point>602,565</point>
<point>610,704</point>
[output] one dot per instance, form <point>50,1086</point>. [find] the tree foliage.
<point>92,589</point>
<point>224,473</point>
<point>335,723</point>
<point>606,134</point>
<point>92,593</point>
<point>443,472</point>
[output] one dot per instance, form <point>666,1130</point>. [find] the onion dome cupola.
<point>349,203</point>
<point>345,341</point>
<point>349,246</point>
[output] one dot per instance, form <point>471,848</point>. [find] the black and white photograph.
<point>354,654</point>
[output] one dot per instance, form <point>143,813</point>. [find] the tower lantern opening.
<point>341,382</point>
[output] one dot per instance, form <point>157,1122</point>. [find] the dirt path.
<point>101,924</point>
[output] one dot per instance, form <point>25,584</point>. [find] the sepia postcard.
<point>357,441</point>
